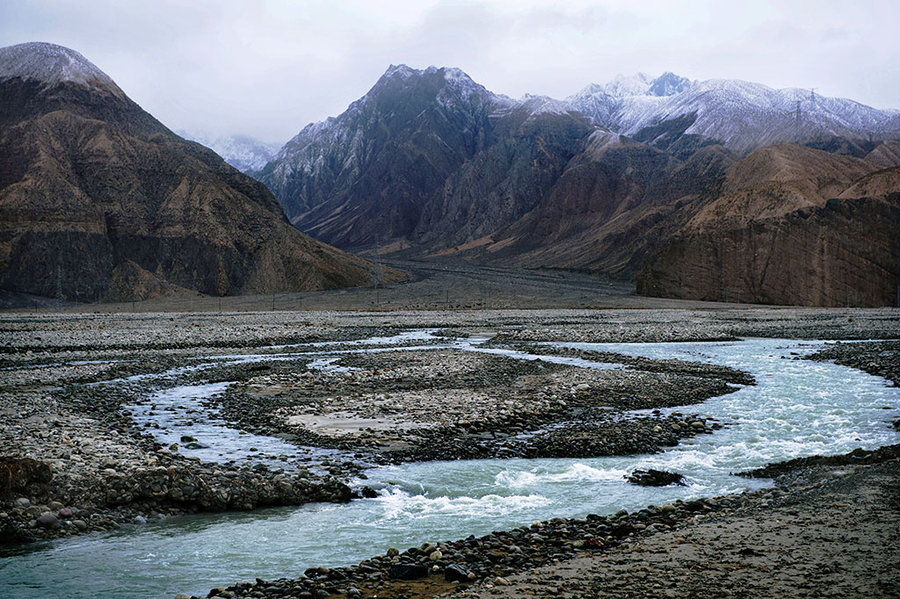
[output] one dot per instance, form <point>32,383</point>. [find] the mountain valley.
<point>717,190</point>
<point>613,180</point>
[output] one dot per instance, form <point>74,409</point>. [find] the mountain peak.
<point>668,84</point>
<point>400,70</point>
<point>52,65</point>
<point>243,152</point>
<point>446,86</point>
<point>628,85</point>
<point>450,74</point>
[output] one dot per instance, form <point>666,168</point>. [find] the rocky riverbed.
<point>449,404</point>
<point>880,358</point>
<point>73,460</point>
<point>826,528</point>
<point>67,472</point>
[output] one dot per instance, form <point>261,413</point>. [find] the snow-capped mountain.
<point>53,65</point>
<point>399,94</point>
<point>668,84</point>
<point>740,115</point>
<point>430,162</point>
<point>245,153</point>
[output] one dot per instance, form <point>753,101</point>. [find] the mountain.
<point>245,153</point>
<point>430,163</point>
<point>672,112</point>
<point>792,225</point>
<point>399,163</point>
<point>100,201</point>
<point>614,204</point>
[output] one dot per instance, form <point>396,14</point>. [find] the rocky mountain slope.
<point>367,175</point>
<point>99,201</point>
<point>431,163</point>
<point>427,158</point>
<point>792,225</point>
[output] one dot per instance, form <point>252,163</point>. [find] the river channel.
<point>797,408</point>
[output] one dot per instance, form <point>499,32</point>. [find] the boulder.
<point>655,478</point>
<point>408,571</point>
<point>456,573</point>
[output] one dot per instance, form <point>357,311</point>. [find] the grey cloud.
<point>267,69</point>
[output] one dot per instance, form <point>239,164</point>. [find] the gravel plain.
<point>74,461</point>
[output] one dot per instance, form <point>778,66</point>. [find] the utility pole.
<point>376,270</point>
<point>58,288</point>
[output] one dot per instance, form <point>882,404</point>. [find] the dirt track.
<point>433,285</point>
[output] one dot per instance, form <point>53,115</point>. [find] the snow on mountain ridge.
<point>452,75</point>
<point>537,105</point>
<point>243,152</point>
<point>668,84</point>
<point>52,65</point>
<point>399,70</point>
<point>628,85</point>
<point>741,114</point>
<point>305,152</point>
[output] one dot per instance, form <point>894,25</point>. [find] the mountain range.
<point>670,110</point>
<point>100,201</point>
<point>718,190</point>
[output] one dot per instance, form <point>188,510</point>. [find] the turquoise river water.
<point>797,408</point>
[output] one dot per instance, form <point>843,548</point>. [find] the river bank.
<point>827,527</point>
<point>68,379</point>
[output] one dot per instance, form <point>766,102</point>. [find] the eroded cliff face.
<point>793,226</point>
<point>99,201</point>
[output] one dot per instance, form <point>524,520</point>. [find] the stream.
<point>798,408</point>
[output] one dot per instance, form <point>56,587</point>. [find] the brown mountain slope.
<point>99,201</point>
<point>615,202</point>
<point>793,226</point>
<point>885,155</point>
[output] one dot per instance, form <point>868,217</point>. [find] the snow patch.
<point>52,65</point>
<point>741,114</point>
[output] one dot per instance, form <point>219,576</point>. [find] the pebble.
<point>47,520</point>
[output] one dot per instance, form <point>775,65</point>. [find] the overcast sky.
<point>267,68</point>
